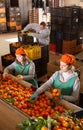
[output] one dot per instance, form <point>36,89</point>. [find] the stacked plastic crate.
<point>3,24</point>
<point>14,19</point>
<point>18,19</point>
<point>57,28</point>
<point>35,15</point>
<point>79,46</point>
<point>65,28</point>
<point>73,30</point>
<point>70,31</point>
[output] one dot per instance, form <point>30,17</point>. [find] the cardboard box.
<point>54,56</point>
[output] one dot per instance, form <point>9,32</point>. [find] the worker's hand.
<point>34,96</point>
<point>30,34</point>
<point>22,31</point>
<point>19,76</point>
<point>5,74</point>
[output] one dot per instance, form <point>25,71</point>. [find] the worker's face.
<point>42,27</point>
<point>64,67</point>
<point>20,58</point>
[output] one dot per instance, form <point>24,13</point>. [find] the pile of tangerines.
<point>19,96</point>
<point>56,93</point>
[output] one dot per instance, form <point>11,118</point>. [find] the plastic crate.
<point>61,20</point>
<point>75,11</point>
<point>59,35</point>
<point>33,51</point>
<point>53,47</point>
<point>14,46</point>
<point>58,45</point>
<point>3,27</point>
<point>38,66</point>
<point>69,35</point>
<point>7,59</point>
<point>81,16</point>
<point>54,19</point>
<point>44,51</point>
<point>52,37</point>
<point>81,100</point>
<point>57,11</point>
<point>68,21</point>
<point>24,39</point>
<point>67,11</point>
<point>44,66</point>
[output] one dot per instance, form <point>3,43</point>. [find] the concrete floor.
<point>7,38</point>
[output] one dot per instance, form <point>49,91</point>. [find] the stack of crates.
<point>18,19</point>
<point>11,21</point>
<point>14,19</point>
<point>57,22</point>
<point>56,3</point>
<point>3,24</point>
<point>71,15</point>
<point>35,15</point>
<point>66,26</point>
<point>80,32</point>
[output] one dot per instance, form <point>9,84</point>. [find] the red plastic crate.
<point>53,47</point>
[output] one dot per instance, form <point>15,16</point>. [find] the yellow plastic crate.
<point>33,52</point>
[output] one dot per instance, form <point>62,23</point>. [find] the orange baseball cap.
<point>68,59</point>
<point>20,51</point>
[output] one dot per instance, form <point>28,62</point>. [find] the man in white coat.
<point>42,32</point>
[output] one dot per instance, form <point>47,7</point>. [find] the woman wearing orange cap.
<point>22,67</point>
<point>65,79</point>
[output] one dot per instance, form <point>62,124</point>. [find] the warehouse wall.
<point>25,5</point>
<point>73,2</point>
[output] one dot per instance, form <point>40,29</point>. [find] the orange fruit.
<point>44,128</point>
<point>77,127</point>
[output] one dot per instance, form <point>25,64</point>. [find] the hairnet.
<point>20,51</point>
<point>68,59</point>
